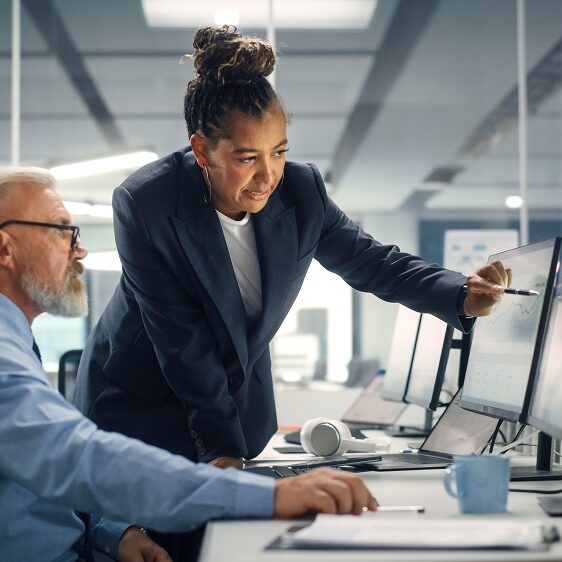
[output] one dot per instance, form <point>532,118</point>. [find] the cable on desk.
<point>530,491</point>
<point>494,435</point>
<point>516,442</point>
<point>518,434</point>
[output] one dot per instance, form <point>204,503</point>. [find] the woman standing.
<point>215,241</point>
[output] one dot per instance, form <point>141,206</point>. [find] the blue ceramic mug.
<point>480,482</point>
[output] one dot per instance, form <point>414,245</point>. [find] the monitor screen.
<point>506,344</point>
<point>545,411</point>
<point>400,356</point>
<point>430,362</point>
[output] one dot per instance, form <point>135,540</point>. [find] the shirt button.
<point>202,451</point>
<point>234,381</point>
<point>193,434</point>
<point>198,442</point>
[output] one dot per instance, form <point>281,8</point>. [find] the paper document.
<point>381,532</point>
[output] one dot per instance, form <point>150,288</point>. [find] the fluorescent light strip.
<point>77,208</point>
<point>288,14</point>
<point>128,161</point>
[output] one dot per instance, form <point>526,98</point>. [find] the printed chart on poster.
<point>468,250</point>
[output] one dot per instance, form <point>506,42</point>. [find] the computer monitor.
<point>400,356</point>
<point>545,410</point>
<point>506,344</point>
<point>429,362</point>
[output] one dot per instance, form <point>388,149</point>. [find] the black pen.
<point>523,292</point>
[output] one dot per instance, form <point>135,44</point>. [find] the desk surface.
<point>244,541</point>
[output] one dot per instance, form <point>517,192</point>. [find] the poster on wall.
<point>468,250</point>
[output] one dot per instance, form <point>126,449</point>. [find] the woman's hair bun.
<point>224,55</point>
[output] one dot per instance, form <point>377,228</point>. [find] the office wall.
<point>377,316</point>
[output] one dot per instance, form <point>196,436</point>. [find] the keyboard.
<point>356,464</point>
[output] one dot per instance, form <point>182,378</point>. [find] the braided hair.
<point>230,76</point>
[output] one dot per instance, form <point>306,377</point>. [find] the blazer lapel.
<point>200,236</point>
<point>277,242</point>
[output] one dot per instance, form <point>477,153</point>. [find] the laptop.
<point>457,432</point>
<point>368,411</point>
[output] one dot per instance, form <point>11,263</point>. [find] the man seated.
<point>54,462</point>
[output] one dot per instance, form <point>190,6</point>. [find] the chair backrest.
<point>361,371</point>
<point>68,368</point>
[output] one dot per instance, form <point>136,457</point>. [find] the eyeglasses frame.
<point>74,240</point>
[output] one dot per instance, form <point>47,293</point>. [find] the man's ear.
<point>6,254</point>
<point>199,147</point>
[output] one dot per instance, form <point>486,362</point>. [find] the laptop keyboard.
<point>414,458</point>
<point>358,464</point>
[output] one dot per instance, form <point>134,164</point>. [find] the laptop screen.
<point>458,431</point>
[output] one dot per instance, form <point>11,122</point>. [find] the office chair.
<point>68,368</point>
<point>361,371</point>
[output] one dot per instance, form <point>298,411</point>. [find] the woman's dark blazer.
<point>172,360</point>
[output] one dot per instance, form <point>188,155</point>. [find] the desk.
<point>244,541</point>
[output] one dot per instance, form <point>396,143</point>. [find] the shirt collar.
<point>13,317</point>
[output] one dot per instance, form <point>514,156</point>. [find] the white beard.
<point>69,301</point>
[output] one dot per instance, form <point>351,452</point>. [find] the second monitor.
<point>429,362</point>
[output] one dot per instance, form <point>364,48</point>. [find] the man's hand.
<point>485,289</point>
<point>323,490</point>
<point>135,546</point>
<point>225,462</point>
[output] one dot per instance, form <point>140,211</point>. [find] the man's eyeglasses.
<point>74,239</point>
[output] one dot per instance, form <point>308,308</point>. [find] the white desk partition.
<point>244,541</point>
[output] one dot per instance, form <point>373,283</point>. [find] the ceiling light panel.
<point>130,161</point>
<point>288,14</point>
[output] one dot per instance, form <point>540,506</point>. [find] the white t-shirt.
<point>241,243</point>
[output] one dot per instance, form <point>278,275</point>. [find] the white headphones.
<point>324,437</point>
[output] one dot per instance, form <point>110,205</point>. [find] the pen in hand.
<point>522,292</point>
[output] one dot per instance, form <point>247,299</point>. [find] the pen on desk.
<point>399,509</point>
<point>523,292</point>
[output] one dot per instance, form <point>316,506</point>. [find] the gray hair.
<point>11,176</point>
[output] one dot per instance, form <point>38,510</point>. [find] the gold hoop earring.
<point>206,172</point>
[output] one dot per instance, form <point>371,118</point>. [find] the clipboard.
<point>383,532</point>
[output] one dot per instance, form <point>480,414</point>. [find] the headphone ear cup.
<point>321,437</point>
<point>306,431</point>
<point>344,434</point>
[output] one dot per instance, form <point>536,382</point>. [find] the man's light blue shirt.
<point>53,461</point>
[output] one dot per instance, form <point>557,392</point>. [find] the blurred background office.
<point>410,109</point>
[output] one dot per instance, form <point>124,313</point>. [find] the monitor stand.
<point>407,431</point>
<point>543,469</point>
